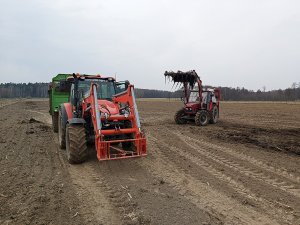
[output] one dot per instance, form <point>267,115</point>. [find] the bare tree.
<point>294,85</point>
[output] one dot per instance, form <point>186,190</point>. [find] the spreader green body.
<point>59,91</point>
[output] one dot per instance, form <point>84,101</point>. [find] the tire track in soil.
<point>226,209</point>
<point>283,172</point>
<point>95,207</point>
<point>286,179</point>
<point>134,197</point>
<point>275,209</point>
<point>92,192</point>
<point>31,178</point>
<point>119,194</point>
<point>279,178</point>
<point>287,210</point>
<point>241,166</point>
<point>134,190</point>
<point>150,200</point>
<point>2,105</point>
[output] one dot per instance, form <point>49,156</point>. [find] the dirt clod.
<point>32,120</point>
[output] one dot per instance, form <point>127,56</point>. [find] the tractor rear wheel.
<point>76,144</point>
<point>61,132</point>
<point>178,117</point>
<point>55,122</point>
<point>201,118</point>
<point>214,115</point>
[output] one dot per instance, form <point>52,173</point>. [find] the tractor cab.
<point>107,87</point>
<point>194,96</point>
<point>105,91</point>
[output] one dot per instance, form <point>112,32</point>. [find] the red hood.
<point>113,109</point>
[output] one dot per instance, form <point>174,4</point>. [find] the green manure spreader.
<point>59,91</point>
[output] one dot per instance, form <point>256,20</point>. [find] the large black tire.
<point>214,115</point>
<point>55,122</point>
<point>61,131</point>
<point>76,143</point>
<point>178,117</point>
<point>201,118</point>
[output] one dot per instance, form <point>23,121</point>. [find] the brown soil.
<point>242,170</point>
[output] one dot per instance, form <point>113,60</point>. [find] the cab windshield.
<point>105,88</point>
<point>194,96</point>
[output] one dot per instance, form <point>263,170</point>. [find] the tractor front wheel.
<point>178,117</point>
<point>214,115</point>
<point>201,118</point>
<point>76,144</point>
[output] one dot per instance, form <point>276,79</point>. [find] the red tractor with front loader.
<point>200,105</point>
<point>104,112</point>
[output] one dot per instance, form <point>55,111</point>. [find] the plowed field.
<point>243,170</point>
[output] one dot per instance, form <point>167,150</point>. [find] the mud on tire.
<point>214,115</point>
<point>76,144</point>
<point>201,118</point>
<point>178,117</point>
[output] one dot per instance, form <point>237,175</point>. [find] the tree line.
<point>40,90</point>
<point>24,90</point>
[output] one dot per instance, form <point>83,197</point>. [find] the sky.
<point>233,43</point>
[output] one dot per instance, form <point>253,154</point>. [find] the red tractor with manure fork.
<point>200,105</point>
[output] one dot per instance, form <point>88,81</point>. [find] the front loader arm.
<point>104,147</point>
<point>128,98</point>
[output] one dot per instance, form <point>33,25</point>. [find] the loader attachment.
<point>117,136</point>
<point>189,77</point>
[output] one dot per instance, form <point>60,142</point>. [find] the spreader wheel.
<point>61,132</point>
<point>76,144</point>
<point>55,122</point>
<point>214,115</point>
<point>201,118</point>
<point>178,117</point>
